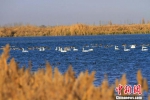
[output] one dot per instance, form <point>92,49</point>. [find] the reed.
<point>21,84</point>
<point>72,30</point>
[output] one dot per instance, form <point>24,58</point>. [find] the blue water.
<point>104,59</point>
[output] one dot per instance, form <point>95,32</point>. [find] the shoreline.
<point>76,35</point>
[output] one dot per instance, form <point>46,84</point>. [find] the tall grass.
<point>76,29</point>
<point>20,84</point>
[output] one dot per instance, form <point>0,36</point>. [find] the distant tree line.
<point>73,30</point>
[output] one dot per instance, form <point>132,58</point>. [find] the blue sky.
<point>67,12</point>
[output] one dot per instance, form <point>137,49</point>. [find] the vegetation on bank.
<point>20,84</point>
<point>73,30</point>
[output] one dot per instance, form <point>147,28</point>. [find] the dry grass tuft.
<point>20,84</point>
<point>142,81</point>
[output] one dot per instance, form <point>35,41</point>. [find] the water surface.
<point>104,59</point>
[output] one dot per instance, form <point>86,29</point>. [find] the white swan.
<point>144,48</point>
<point>83,50</point>
<point>61,50</point>
<point>74,49</point>
<point>41,49</point>
<point>23,50</point>
<point>125,49</point>
<point>132,46</point>
<point>116,47</point>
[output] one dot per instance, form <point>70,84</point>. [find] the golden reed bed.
<point>73,30</point>
<point>20,84</point>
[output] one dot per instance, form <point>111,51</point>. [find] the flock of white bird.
<point>66,49</point>
<point>86,48</point>
<point>143,47</point>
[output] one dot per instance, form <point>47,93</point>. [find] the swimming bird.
<point>116,47</point>
<point>61,50</point>
<point>144,48</point>
<point>83,50</point>
<point>41,49</point>
<point>74,49</point>
<point>133,46</point>
<point>125,49</point>
<point>23,50</point>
